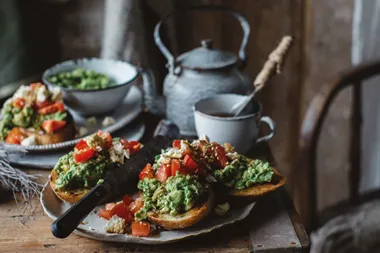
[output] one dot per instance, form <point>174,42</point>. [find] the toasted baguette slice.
<point>260,189</point>
<point>65,134</point>
<point>187,219</point>
<point>71,196</point>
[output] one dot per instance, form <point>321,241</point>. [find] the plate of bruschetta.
<point>36,118</point>
<point>190,189</point>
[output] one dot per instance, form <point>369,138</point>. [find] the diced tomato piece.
<point>56,107</point>
<point>35,85</point>
<point>163,173</point>
<point>84,155</point>
<point>134,146</point>
<point>127,200</point>
<point>107,138</point>
<point>186,152</point>
<point>146,172</point>
<point>121,210</point>
<point>125,143</point>
<point>39,105</point>
<point>81,145</point>
<point>190,163</point>
<point>221,156</point>
<point>176,144</point>
<point>105,214</point>
<point>51,125</point>
<point>136,205</point>
<point>175,166</point>
<point>18,102</point>
<point>140,228</point>
<point>15,136</point>
<point>109,206</point>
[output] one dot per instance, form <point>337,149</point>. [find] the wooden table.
<point>273,226</point>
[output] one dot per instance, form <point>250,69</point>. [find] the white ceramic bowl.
<point>96,101</point>
<point>241,132</point>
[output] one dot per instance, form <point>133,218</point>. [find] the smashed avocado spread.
<point>242,173</point>
<point>176,195</point>
<point>92,157</point>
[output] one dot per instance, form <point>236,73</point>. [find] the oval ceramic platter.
<point>93,226</point>
<point>123,115</point>
<point>47,160</point>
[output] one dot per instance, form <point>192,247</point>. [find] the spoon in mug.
<point>271,67</point>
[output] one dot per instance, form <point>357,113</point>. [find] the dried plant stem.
<point>17,181</point>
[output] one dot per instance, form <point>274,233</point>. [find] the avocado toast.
<point>78,171</point>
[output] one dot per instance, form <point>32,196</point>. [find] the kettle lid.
<point>206,57</point>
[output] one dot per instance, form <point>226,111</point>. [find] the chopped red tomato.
<point>15,136</point>
<point>186,152</point>
<point>163,173</point>
<point>146,172</point>
<point>18,102</point>
<point>84,155</point>
<point>136,205</point>
<point>105,214</point>
<point>176,144</point>
<point>190,163</point>
<point>35,85</point>
<point>56,107</point>
<point>125,143</point>
<point>221,156</point>
<point>127,200</point>
<point>140,228</point>
<point>121,210</point>
<point>51,125</point>
<point>39,105</point>
<point>81,145</point>
<point>109,206</point>
<point>175,166</point>
<point>134,146</point>
<point>107,138</point>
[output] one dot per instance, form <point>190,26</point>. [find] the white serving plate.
<point>93,226</point>
<point>128,110</point>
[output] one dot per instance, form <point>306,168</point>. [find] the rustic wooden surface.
<point>263,231</point>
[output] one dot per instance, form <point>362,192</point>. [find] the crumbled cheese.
<point>164,159</point>
<point>42,94</point>
<point>116,225</point>
<point>204,138</point>
<point>56,93</point>
<point>222,209</point>
<point>92,121</point>
<point>117,152</point>
<point>108,121</point>
<point>22,92</point>
<point>233,156</point>
<point>31,140</point>
<point>82,131</point>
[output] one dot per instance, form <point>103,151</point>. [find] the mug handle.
<point>272,127</point>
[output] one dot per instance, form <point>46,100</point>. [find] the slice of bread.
<point>71,196</point>
<point>260,189</point>
<point>187,219</point>
<point>65,134</point>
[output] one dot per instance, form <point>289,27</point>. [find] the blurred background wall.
<point>40,33</point>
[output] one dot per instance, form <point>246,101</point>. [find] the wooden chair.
<point>305,188</point>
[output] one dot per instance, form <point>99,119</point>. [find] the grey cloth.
<point>357,231</point>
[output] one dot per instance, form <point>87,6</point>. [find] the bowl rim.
<point>45,81</point>
<point>239,118</point>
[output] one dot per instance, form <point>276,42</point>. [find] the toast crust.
<point>71,196</point>
<point>187,219</point>
<point>260,189</point>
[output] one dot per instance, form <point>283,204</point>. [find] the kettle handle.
<point>242,20</point>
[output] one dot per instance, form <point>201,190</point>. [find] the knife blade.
<point>118,182</point>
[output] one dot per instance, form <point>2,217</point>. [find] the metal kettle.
<point>200,73</point>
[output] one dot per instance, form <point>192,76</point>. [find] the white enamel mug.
<point>241,132</point>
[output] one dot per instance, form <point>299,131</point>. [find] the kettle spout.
<point>154,103</point>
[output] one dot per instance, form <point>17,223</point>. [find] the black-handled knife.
<point>118,182</point>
